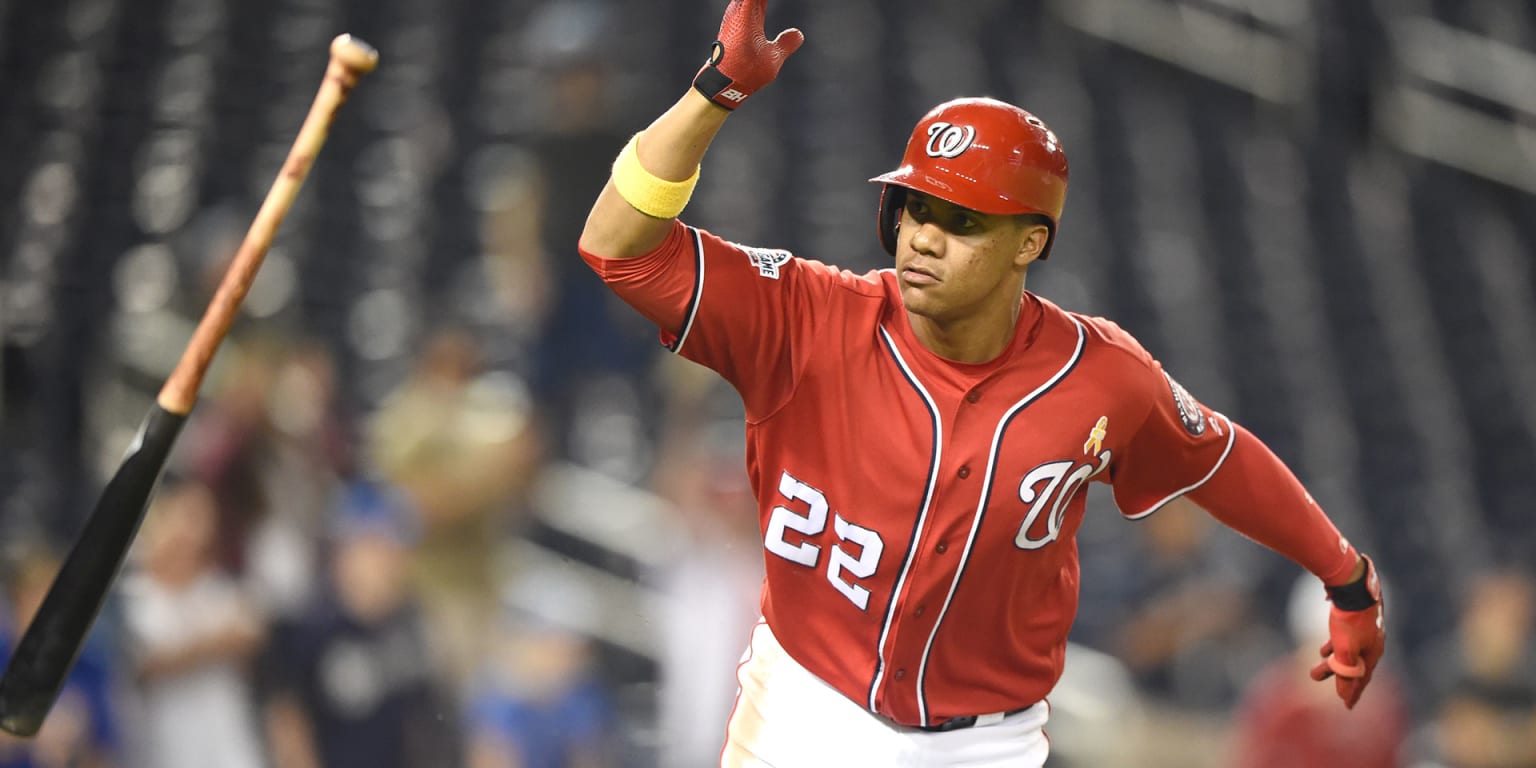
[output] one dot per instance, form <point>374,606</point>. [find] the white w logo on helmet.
<point>946,140</point>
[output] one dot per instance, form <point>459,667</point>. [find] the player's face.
<point>955,263</point>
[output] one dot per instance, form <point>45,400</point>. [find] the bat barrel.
<point>47,651</point>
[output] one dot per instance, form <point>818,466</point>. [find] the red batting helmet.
<point>982,154</point>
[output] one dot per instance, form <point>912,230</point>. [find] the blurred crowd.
<point>435,584</point>
<point>446,502</point>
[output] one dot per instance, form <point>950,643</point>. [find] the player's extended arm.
<point>1255,494</point>
<point>669,149</point>
<point>655,173</point>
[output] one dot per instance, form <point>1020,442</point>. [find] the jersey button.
<point>900,673</point>
<point>941,547</point>
<point>921,609</point>
<point>965,471</point>
<point>972,396</point>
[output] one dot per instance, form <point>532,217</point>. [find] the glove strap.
<point>1360,594</point>
<point>716,85</point>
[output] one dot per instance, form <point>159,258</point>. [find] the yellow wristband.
<point>649,194</point>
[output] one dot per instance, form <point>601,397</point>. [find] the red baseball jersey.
<point>919,515</point>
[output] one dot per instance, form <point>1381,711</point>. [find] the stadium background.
<point>1318,215</point>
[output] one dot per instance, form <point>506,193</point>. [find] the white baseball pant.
<point>786,717</point>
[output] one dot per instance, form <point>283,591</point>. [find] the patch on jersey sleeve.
<point>767,260</point>
<point>1189,409</point>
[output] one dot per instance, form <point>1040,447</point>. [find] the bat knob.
<point>354,54</point>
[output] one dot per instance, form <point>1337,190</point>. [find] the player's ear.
<point>1031,243</point>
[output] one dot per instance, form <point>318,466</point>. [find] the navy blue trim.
<point>981,508</point>
<point>917,525</point>
<point>986,499</point>
<point>698,292</point>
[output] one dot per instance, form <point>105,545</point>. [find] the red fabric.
<point>919,514</point>
<point>1256,495</point>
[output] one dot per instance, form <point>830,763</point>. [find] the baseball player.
<point>920,438</point>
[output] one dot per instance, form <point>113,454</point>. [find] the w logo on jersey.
<point>946,140</point>
<point>1048,490</point>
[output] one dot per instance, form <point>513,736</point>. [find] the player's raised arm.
<point>655,173</point>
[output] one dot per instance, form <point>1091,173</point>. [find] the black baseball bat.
<point>51,643</point>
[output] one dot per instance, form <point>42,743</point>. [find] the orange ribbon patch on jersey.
<point>1095,441</point>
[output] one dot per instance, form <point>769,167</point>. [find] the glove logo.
<point>947,140</point>
<point>733,95</point>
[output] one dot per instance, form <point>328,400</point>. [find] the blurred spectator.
<point>538,703</point>
<point>270,444</point>
<point>1487,716</point>
<point>515,268</point>
<point>1286,720</point>
<point>229,444</point>
<point>308,452</point>
<point>350,682</point>
<point>1175,609</point>
<point>1096,696</point>
<point>708,589</point>
<point>594,355</point>
<point>192,635</point>
<point>82,729</point>
<point>458,441</point>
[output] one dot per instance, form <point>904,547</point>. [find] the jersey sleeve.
<point>1178,447</point>
<point>1183,448</point>
<point>747,313</point>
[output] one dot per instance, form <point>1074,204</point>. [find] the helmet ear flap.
<point>892,200</point>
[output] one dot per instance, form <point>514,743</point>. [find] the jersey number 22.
<point>812,523</point>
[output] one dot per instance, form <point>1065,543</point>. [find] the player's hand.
<point>743,59</point>
<point>1357,636</point>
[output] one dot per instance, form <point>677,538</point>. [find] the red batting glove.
<point>1357,636</point>
<point>743,59</point>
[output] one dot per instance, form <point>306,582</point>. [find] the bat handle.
<point>351,58</point>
